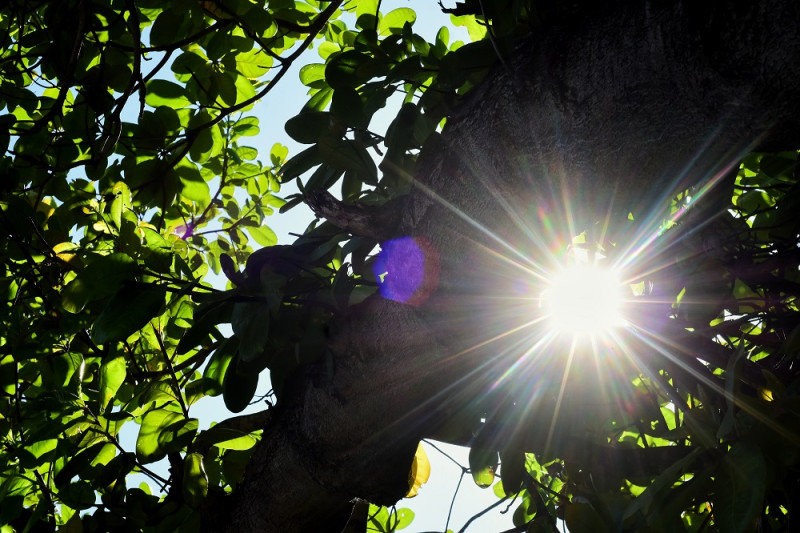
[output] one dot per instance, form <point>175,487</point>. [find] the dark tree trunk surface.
<point>612,111</point>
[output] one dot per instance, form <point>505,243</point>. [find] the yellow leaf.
<point>420,471</point>
<point>46,206</point>
<point>63,251</point>
<point>766,394</point>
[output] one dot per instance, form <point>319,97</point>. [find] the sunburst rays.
<point>606,357</point>
<point>542,367</point>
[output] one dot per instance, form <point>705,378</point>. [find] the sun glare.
<point>584,300</point>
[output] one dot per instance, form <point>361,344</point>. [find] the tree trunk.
<point>613,113</point>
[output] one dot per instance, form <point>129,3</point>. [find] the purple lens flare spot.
<point>407,269</point>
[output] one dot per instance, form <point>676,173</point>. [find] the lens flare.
<point>584,300</point>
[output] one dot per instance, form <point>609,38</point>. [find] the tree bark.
<point>613,113</point>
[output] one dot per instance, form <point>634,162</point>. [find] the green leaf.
<point>166,93</point>
<point>208,142</point>
<point>122,201</point>
<point>348,107</point>
<point>189,64</point>
<point>177,435</point>
<point>153,423</point>
<point>297,165</point>
<point>158,255</point>
<point>404,518</point>
<point>483,461</point>
<point>323,178</point>
<point>513,471</point>
<point>308,126</point>
<point>59,371</point>
<point>244,90</point>
<point>195,480</point>
<point>112,375</point>
<point>753,201</point>
<point>351,186</point>
<point>128,311</point>
<point>206,318</point>
<point>246,127</point>
<point>263,235</point>
<point>8,374</point>
<point>477,31</point>
<point>393,21</point>
<point>250,323</point>
<point>499,487</point>
<point>194,186</point>
<point>226,85</point>
<point>98,280</point>
<point>366,7</point>
<point>38,450</point>
<point>657,489</point>
<point>345,70</point>
<point>312,73</point>
<point>218,364</point>
<point>164,28</point>
<point>225,439</point>
<point>78,495</point>
<point>378,519</point>
<point>347,154</point>
<point>80,464</point>
<point>732,377</point>
<point>239,388</point>
<point>319,101</point>
<point>253,64</point>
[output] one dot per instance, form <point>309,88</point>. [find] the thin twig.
<point>480,514</point>
<point>453,501</point>
<point>176,383</point>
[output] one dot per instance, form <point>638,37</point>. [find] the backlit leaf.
<point>394,21</point>
<point>112,375</point>
<point>166,93</point>
<point>195,480</point>
<point>483,461</point>
<point>420,471</point>
<point>263,235</point>
<point>218,364</point>
<point>225,439</point>
<point>311,73</point>
<point>194,186</point>
<point>153,423</point>
<point>177,435</point>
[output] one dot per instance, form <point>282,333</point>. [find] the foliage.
<point>126,181</point>
<point>383,520</point>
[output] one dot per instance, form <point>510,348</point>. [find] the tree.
<point>636,123</point>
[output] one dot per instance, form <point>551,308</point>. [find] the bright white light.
<point>584,300</point>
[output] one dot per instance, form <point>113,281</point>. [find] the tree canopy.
<point>659,137</point>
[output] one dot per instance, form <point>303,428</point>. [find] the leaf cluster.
<point>126,182</point>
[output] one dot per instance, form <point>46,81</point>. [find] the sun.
<point>584,300</point>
